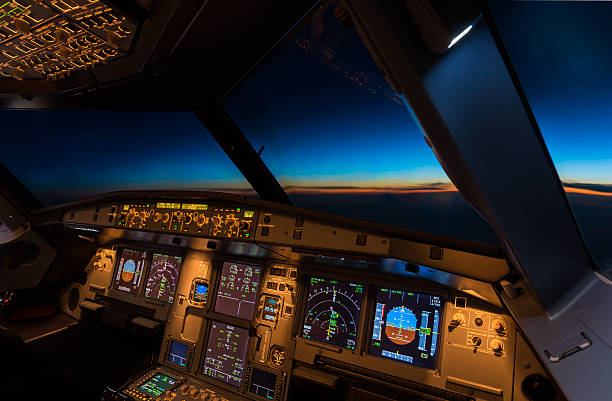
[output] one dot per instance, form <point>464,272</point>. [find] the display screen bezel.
<point>304,310</point>
<point>252,368</point>
<point>171,341</point>
<point>202,365</point>
<point>145,270</point>
<point>150,263</point>
<point>153,377</point>
<point>193,291</point>
<point>190,353</point>
<point>213,299</point>
<point>370,327</point>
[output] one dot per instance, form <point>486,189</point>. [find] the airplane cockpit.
<point>334,200</point>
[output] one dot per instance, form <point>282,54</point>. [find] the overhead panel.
<point>50,39</point>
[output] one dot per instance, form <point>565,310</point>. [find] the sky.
<point>337,137</point>
<point>66,155</point>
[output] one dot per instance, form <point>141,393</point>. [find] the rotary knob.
<point>184,389</point>
<point>188,218</point>
<point>179,216</point>
<point>497,346</point>
<point>245,225</point>
<point>201,220</point>
<point>216,220</point>
<point>194,391</point>
<point>230,220</point>
<point>166,217</point>
<point>458,319</point>
<point>499,326</point>
<point>157,217</point>
<point>476,341</point>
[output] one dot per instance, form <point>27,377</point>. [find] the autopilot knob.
<point>245,225</point>
<point>497,346</point>
<point>201,220</point>
<point>157,217</point>
<point>476,341</point>
<point>194,391</point>
<point>188,218</point>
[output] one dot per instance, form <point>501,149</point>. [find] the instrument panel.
<point>219,221</point>
<point>240,327</point>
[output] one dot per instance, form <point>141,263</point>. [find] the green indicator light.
<point>238,209</point>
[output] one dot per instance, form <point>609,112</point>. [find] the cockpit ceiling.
<point>52,39</point>
<point>144,54</point>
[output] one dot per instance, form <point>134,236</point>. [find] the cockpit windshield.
<point>62,156</point>
<point>338,139</point>
<point>565,72</point>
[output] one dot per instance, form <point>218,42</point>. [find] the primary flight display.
<point>130,270</point>
<point>332,312</point>
<point>406,327</point>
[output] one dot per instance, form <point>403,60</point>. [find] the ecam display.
<point>238,290</point>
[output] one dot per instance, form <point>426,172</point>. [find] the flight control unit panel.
<point>239,328</point>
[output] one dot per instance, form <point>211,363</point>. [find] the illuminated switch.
<point>299,221</point>
<point>297,234</point>
<point>272,285</point>
<point>265,231</point>
<point>281,287</point>
<point>361,239</point>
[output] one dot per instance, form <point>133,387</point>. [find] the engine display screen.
<point>263,383</point>
<point>226,352</point>
<point>238,290</point>
<point>157,385</point>
<point>406,327</point>
<point>163,277</point>
<point>332,312</point>
<point>178,353</point>
<point>130,271</point>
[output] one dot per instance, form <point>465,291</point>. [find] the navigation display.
<point>163,277</point>
<point>238,290</point>
<point>226,352</point>
<point>263,383</point>
<point>178,353</point>
<point>332,312</point>
<point>130,270</point>
<point>406,327</point>
<point>157,385</point>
